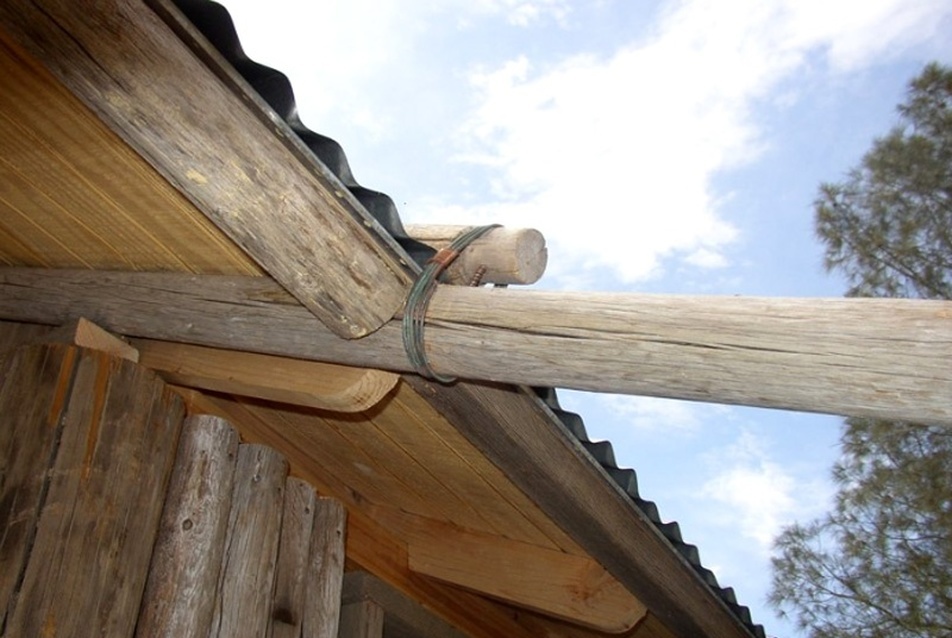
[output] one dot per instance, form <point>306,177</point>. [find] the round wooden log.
<point>883,358</point>
<point>503,255</point>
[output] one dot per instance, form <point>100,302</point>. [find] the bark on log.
<point>883,358</point>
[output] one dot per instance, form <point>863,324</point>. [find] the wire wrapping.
<point>418,300</point>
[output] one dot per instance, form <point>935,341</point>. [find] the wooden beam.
<point>325,386</point>
<point>881,358</point>
<point>501,256</point>
<point>571,588</point>
<point>190,115</point>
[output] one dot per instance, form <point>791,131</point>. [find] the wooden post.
<point>882,358</point>
<point>246,580</point>
<point>86,446</point>
<point>310,570</point>
<point>182,589</point>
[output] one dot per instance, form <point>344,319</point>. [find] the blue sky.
<point>660,147</point>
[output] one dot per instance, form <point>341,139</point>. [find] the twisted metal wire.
<point>418,300</point>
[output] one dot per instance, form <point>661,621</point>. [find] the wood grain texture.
<point>32,393</point>
<point>182,589</point>
<point>881,358</point>
<point>310,569</point>
<point>551,467</point>
<point>295,219</point>
<point>297,382</point>
<point>74,195</point>
<point>246,580</point>
<point>503,255</point>
<point>403,616</point>
<point>91,545</point>
<point>363,619</point>
<point>571,588</point>
<point>86,334</point>
<point>325,570</point>
<point>370,545</point>
<point>297,524</point>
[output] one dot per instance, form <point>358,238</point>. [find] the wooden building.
<point>178,458</point>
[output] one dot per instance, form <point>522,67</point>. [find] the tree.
<point>888,226</point>
<point>880,564</point>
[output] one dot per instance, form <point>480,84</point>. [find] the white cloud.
<point>756,495</point>
<point>652,414</point>
<point>613,157</point>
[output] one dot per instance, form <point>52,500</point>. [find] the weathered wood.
<point>246,580</point>
<point>503,255</point>
<point>297,524</point>
<point>883,358</point>
<point>294,381</point>
<point>363,619</point>
<point>182,589</point>
<point>572,588</point>
<point>32,393</point>
<point>310,570</point>
<point>297,221</point>
<point>91,543</point>
<point>325,567</point>
<point>402,615</point>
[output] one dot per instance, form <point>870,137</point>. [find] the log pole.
<point>882,358</point>
<point>506,256</point>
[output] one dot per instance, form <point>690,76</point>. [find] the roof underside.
<point>73,194</point>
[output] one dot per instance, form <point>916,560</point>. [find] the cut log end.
<point>504,256</point>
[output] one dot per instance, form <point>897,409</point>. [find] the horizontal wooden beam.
<point>572,588</point>
<point>882,358</point>
<point>325,386</point>
<point>187,112</point>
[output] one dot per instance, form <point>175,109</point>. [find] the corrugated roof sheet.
<point>215,23</point>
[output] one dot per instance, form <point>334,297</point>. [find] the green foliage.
<point>880,564</point>
<point>888,226</point>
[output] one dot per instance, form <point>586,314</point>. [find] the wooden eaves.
<point>171,98</point>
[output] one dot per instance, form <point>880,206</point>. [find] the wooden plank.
<point>520,436</point>
<point>32,392</point>
<point>182,589</point>
<point>73,194</point>
<point>363,619</point>
<point>282,379</point>
<point>880,358</point>
<point>92,543</point>
<point>251,545</point>
<point>370,545</point>
<point>572,588</point>
<point>294,218</point>
<point>325,570</point>
<point>85,334</point>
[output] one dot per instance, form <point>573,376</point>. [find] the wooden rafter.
<point>290,214</point>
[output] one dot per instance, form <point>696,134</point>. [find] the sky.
<point>660,146</point>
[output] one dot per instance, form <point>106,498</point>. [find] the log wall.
<point>121,521</point>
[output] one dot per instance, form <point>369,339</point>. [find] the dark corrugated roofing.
<point>215,23</point>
